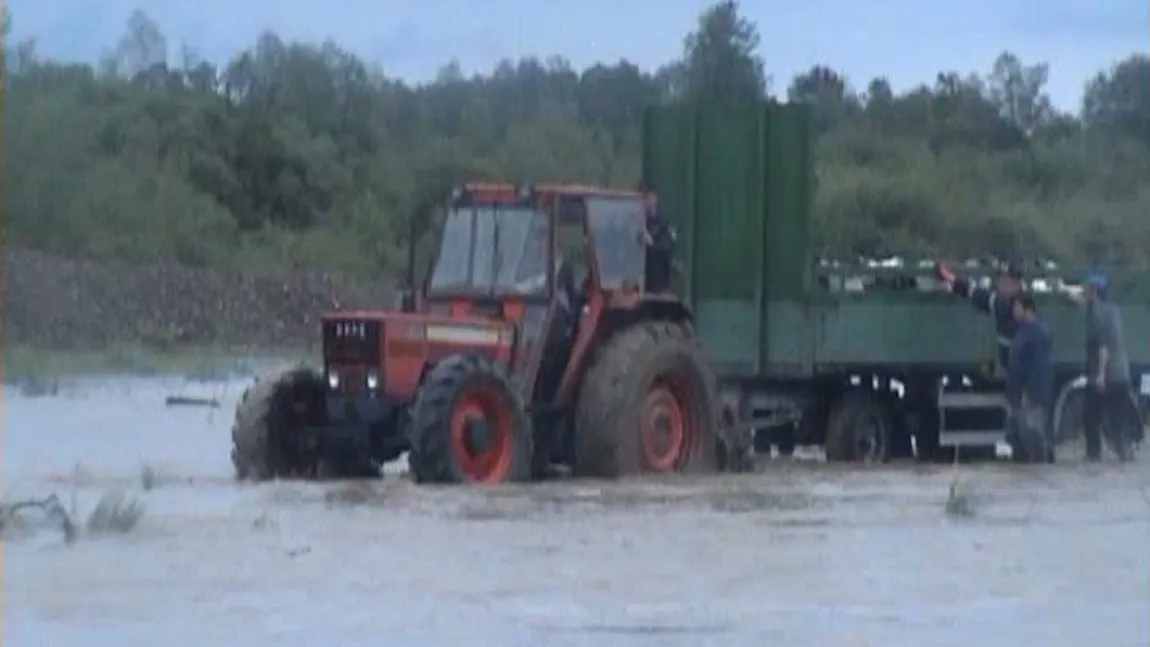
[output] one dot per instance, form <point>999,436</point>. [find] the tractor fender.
<point>667,310</point>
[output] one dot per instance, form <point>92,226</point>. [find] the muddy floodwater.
<point>798,554</point>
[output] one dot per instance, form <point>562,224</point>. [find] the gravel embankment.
<point>63,304</point>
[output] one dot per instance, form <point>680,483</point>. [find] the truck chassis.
<point>871,415</point>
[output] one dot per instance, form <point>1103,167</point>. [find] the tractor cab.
<point>534,258</point>
<point>503,242</point>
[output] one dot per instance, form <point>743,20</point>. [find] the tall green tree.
<point>1019,93</point>
<point>826,90</point>
<point>303,154</point>
<point>1118,100</point>
<point>720,58</point>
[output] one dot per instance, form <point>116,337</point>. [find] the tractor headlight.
<point>372,381</point>
<point>333,380</point>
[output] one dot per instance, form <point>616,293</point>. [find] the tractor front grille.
<point>352,341</point>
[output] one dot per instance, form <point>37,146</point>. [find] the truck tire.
<point>263,443</point>
<point>649,405</point>
<point>1069,438</point>
<point>858,430</point>
<point>784,438</point>
<point>469,425</point>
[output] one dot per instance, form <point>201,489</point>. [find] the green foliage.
<point>302,155</point>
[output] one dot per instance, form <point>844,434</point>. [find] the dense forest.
<point>304,155</point>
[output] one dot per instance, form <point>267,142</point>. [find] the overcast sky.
<point>908,41</point>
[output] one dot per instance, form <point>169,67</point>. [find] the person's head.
<point>1010,281</point>
<point>1024,308</point>
<point>1097,285</point>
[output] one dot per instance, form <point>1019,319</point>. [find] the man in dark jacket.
<point>997,303</point>
<point>1029,383</point>
<point>660,239</point>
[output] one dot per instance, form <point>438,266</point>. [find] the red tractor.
<point>532,344</point>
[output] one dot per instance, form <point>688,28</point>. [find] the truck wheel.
<point>264,439</point>
<point>649,405</point>
<point>1069,438</point>
<point>469,425</point>
<point>858,430</point>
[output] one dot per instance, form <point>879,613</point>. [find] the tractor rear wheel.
<point>264,435</point>
<point>648,405</point>
<point>469,425</point>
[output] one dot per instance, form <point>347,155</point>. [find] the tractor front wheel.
<point>265,435</point>
<point>469,425</point>
<point>648,405</point>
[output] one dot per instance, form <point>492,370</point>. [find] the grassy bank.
<point>23,363</point>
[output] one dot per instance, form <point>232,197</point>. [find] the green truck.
<point>874,360</point>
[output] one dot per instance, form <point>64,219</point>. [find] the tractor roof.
<point>506,192</point>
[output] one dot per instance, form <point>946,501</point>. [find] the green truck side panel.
<point>789,185</point>
<point>738,184</point>
<point>921,329</point>
<point>1069,328</point>
<point>864,331</point>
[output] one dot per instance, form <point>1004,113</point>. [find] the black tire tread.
<point>840,445</point>
<point>430,458</point>
<point>254,454</point>
<point>606,429</point>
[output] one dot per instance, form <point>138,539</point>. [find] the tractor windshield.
<point>493,250</point>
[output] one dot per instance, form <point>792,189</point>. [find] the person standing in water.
<point>1109,404</point>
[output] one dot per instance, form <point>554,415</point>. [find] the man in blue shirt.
<point>1029,384</point>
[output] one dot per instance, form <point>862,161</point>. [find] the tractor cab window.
<point>493,250</point>
<point>617,225</point>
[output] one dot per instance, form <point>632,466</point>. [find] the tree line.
<point>305,155</point>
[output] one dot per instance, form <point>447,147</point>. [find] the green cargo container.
<point>738,183</point>
<point>738,186</point>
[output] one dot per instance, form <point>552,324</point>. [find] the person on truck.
<point>660,238</point>
<point>1109,398</point>
<point>1029,384</point>
<point>997,303</point>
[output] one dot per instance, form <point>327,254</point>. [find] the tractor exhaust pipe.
<point>407,295</point>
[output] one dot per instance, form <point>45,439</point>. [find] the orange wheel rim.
<point>492,463</point>
<point>666,434</point>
